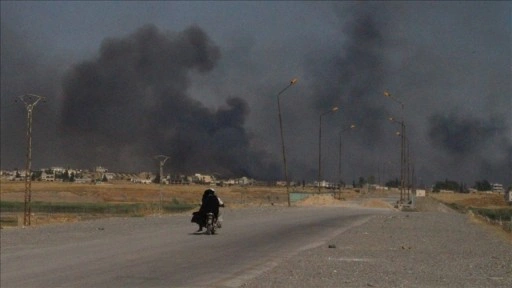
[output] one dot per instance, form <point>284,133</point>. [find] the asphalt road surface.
<point>165,251</point>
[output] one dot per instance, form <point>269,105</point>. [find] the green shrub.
<point>95,208</point>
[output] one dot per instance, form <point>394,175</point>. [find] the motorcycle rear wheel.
<point>209,225</point>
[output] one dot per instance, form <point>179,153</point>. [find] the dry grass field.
<point>487,209</point>
<point>475,200</point>
<point>59,193</point>
<point>125,192</point>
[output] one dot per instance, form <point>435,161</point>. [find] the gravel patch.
<point>435,247</point>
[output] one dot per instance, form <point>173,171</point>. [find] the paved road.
<point>165,251</point>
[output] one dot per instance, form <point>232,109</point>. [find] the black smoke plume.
<point>460,135</point>
<point>353,76</point>
<point>131,103</point>
<point>467,140</point>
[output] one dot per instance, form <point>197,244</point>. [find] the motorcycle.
<point>211,224</point>
<point>209,215</point>
<point>208,220</point>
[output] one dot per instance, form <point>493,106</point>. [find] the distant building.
<point>50,177</point>
<point>508,196</point>
<point>497,188</point>
<point>100,169</point>
<point>110,176</point>
<point>83,180</point>
<point>420,193</point>
<point>58,170</point>
<point>203,179</point>
<point>281,183</point>
<point>246,181</point>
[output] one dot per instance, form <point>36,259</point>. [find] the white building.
<point>50,177</point>
<point>83,180</point>
<point>246,181</point>
<point>205,179</point>
<point>58,170</point>
<point>100,169</point>
<point>508,196</point>
<point>498,188</point>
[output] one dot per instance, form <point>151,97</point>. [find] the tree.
<point>393,183</point>
<point>483,185</point>
<point>362,182</point>
<point>104,179</point>
<point>157,179</point>
<point>65,176</point>
<point>463,188</point>
<point>36,175</point>
<point>447,185</point>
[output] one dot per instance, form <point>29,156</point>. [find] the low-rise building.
<point>46,176</point>
<point>203,179</point>
<point>83,180</point>
<point>508,196</point>
<point>497,188</point>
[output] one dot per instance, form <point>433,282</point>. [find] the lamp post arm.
<point>293,81</point>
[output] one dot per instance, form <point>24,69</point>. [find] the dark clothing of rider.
<point>210,204</point>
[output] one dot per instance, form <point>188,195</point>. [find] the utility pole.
<point>162,159</point>
<point>30,101</point>
<point>287,182</point>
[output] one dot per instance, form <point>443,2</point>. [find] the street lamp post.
<point>293,81</point>
<point>403,159</point>
<point>339,155</point>
<point>333,109</point>
<point>402,145</point>
<point>410,183</point>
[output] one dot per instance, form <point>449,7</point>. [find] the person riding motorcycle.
<point>210,204</point>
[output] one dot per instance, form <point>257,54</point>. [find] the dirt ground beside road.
<point>433,247</point>
<point>476,200</point>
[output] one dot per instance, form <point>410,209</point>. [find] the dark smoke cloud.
<point>353,75</point>
<point>480,143</point>
<point>349,73</point>
<point>24,70</point>
<point>154,92</point>
<point>462,135</point>
<point>131,102</point>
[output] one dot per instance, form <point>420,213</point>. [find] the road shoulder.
<point>434,248</point>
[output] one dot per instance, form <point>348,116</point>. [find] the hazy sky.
<point>197,81</point>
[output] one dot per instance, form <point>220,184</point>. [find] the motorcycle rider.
<point>210,204</point>
<point>219,215</point>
